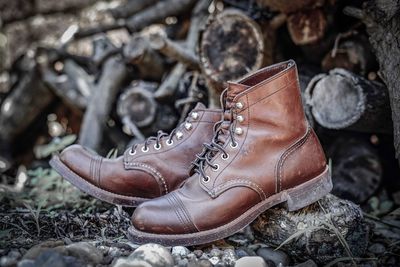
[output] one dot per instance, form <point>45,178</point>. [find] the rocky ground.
<point>50,223</point>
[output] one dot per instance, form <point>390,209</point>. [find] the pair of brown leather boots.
<point>258,152</point>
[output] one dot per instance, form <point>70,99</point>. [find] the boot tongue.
<point>233,90</point>
<point>199,105</point>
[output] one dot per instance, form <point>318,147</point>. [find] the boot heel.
<point>309,192</point>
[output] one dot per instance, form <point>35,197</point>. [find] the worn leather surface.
<point>276,151</point>
<point>146,174</point>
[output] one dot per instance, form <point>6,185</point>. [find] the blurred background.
<point>108,74</point>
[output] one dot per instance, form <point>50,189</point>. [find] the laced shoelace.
<point>221,128</point>
<point>159,138</point>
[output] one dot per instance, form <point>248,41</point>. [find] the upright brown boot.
<point>262,154</point>
<point>145,171</point>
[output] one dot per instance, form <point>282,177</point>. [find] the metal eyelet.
<point>132,152</point>
<point>188,126</point>
<point>233,145</point>
<point>240,118</point>
<point>169,142</point>
<point>179,135</point>
<point>194,115</point>
<point>238,131</point>
<point>157,146</point>
<point>215,167</point>
<point>206,179</point>
<point>239,105</point>
<point>145,149</point>
<point>225,156</point>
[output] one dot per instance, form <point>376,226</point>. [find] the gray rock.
<point>52,258</point>
<point>251,261</point>
<point>229,257</point>
<point>198,253</point>
<point>180,250</point>
<point>183,263</point>
<point>214,260</point>
<point>215,253</point>
<point>275,256</point>
<point>35,251</point>
<point>200,263</point>
<point>151,255</point>
<point>86,252</point>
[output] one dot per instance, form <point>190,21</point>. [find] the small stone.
<point>180,250</point>
<point>148,255</point>
<point>86,252</point>
<point>198,253</point>
<point>277,256</point>
<point>50,258</point>
<point>191,257</point>
<point>35,251</point>
<point>377,248</point>
<point>215,253</point>
<point>25,263</point>
<point>229,257</point>
<point>183,263</point>
<point>214,260</point>
<point>254,261</point>
<point>202,263</point>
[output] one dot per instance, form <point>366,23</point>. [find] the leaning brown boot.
<point>262,154</point>
<point>145,171</point>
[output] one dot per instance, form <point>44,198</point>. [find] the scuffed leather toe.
<point>80,161</point>
<point>175,219</point>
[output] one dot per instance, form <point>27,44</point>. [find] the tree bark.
<point>383,27</point>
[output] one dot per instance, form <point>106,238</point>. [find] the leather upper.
<point>151,173</point>
<point>274,150</point>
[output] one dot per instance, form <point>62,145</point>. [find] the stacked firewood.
<point>179,52</point>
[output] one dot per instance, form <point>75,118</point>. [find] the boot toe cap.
<point>162,216</point>
<point>78,160</point>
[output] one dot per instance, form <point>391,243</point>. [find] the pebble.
<point>198,253</point>
<point>183,263</point>
<point>200,263</point>
<point>151,255</point>
<point>215,253</point>
<point>180,250</point>
<point>229,257</point>
<point>276,256</point>
<point>214,260</point>
<point>254,261</point>
<point>86,252</point>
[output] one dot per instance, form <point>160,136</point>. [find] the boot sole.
<point>91,189</point>
<point>294,198</point>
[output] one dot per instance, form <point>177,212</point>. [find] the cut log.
<point>344,100</point>
<point>356,169</point>
<point>316,232</point>
<point>307,27</point>
<point>25,102</point>
<point>139,53</point>
<point>288,6</point>
<point>130,8</point>
<point>113,75</point>
<point>353,54</point>
<point>157,13</point>
<point>141,114</point>
<point>137,104</point>
<point>231,46</point>
<point>383,27</point>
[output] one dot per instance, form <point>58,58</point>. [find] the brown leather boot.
<point>145,171</point>
<point>262,154</point>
